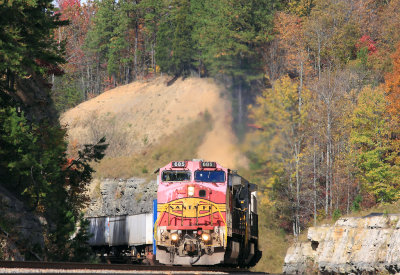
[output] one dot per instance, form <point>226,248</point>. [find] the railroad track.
<point>13,267</point>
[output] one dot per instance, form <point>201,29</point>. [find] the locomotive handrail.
<point>166,207</point>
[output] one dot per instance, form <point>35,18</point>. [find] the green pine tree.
<point>229,37</point>
<point>182,42</point>
<point>175,48</point>
<point>107,40</point>
<point>151,12</point>
<point>27,43</point>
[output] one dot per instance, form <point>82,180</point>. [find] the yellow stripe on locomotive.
<point>191,207</point>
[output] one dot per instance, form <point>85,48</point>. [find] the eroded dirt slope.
<point>140,113</point>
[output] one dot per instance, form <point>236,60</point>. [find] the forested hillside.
<point>110,43</point>
<point>321,78</point>
<point>328,138</point>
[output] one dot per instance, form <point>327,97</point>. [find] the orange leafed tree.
<point>75,33</point>
<point>392,86</point>
<point>392,89</point>
<point>289,28</point>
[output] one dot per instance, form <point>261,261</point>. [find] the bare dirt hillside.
<point>142,113</point>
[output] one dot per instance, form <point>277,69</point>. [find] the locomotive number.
<point>179,164</point>
<point>209,164</point>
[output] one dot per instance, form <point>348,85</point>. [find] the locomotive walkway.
<point>13,267</point>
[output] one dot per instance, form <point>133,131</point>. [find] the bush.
<point>336,214</point>
<point>356,206</point>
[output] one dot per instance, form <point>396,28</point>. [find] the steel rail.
<point>116,267</point>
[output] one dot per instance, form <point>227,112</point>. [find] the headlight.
<point>190,191</point>
<point>174,237</point>
<point>205,237</point>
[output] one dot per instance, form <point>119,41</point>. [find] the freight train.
<point>204,214</point>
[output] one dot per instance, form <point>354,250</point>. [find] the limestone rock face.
<point>114,197</point>
<point>352,245</point>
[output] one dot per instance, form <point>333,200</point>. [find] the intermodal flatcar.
<point>125,238</point>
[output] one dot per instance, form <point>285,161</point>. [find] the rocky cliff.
<point>367,245</point>
<point>113,197</point>
<point>21,231</point>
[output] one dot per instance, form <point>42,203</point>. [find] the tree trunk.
<point>89,79</point>
<point>153,59</point>
<point>301,85</point>
<point>83,85</point>
<point>297,158</point>
<point>331,174</point>
<point>297,148</point>
<point>348,195</point>
<point>199,69</point>
<point>319,56</point>
<point>240,105</point>
<point>315,185</point>
<point>328,195</point>
<point>98,78</point>
<point>136,49</point>
<point>127,74</point>
<point>327,180</point>
<point>127,68</point>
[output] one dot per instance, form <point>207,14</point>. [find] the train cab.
<point>191,220</point>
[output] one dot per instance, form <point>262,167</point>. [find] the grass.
<point>182,144</point>
<point>274,243</point>
<point>273,240</point>
<point>384,208</point>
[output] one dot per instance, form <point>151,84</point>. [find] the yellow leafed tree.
<point>282,115</point>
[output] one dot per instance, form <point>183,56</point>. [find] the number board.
<point>209,164</point>
<point>179,164</point>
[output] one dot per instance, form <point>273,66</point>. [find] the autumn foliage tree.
<point>392,89</point>
<point>372,150</point>
<point>282,114</point>
<point>346,162</point>
<point>392,86</point>
<point>66,90</point>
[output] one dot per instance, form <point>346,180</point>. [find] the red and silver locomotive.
<point>206,215</point>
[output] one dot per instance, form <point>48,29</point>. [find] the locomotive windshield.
<point>209,176</point>
<point>171,175</point>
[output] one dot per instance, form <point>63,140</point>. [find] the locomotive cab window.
<point>209,176</point>
<point>170,175</point>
